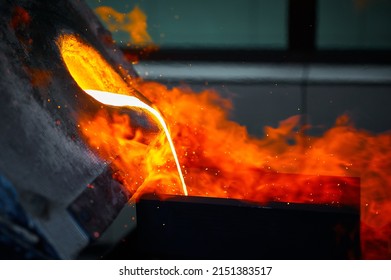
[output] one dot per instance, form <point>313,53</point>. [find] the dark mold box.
<point>181,227</point>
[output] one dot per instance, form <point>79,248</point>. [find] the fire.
<point>121,100</point>
<point>220,159</point>
<point>83,63</point>
<point>133,23</point>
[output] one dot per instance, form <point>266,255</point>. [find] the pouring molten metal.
<point>121,100</point>
<point>220,159</point>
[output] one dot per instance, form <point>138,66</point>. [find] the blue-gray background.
<point>266,93</point>
<point>345,24</point>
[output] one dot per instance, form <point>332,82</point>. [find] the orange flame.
<point>220,159</point>
<point>121,100</point>
<point>85,65</point>
<point>134,23</point>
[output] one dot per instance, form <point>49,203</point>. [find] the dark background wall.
<point>258,23</point>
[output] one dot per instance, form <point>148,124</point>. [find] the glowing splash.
<point>120,100</point>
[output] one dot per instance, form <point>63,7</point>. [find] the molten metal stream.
<point>120,100</point>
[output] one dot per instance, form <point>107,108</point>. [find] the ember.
<point>20,18</point>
